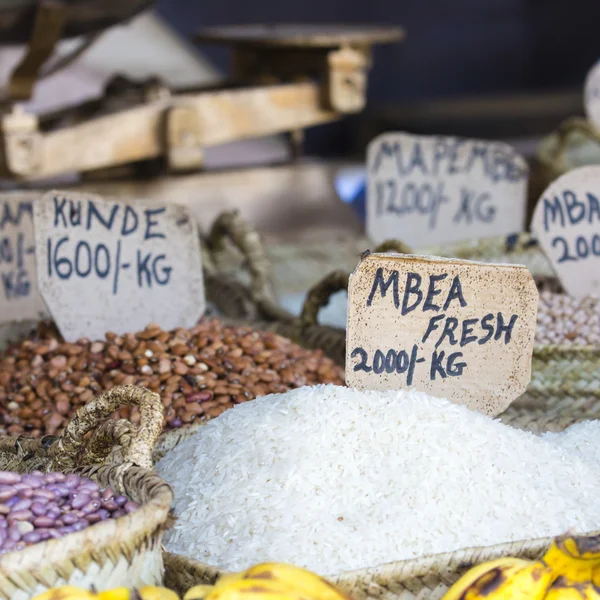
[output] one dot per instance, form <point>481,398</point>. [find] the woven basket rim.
<point>410,567</point>
<point>142,523</point>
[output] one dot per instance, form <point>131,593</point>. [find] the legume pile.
<point>563,319</point>
<point>37,507</point>
<point>198,373</point>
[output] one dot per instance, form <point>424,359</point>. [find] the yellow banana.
<point>564,589</point>
<point>504,580</point>
<point>198,592</point>
<point>299,580</point>
<point>471,576</point>
<point>120,593</point>
<point>66,592</point>
<point>576,558</point>
<point>243,589</point>
<point>152,592</point>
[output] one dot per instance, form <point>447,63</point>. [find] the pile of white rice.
<point>334,479</point>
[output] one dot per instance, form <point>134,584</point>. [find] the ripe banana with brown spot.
<point>504,579</point>
<point>576,558</point>
<point>299,580</point>
<point>565,589</point>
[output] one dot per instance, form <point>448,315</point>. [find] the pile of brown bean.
<point>565,320</point>
<point>198,373</point>
<point>38,507</point>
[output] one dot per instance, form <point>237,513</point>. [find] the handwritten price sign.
<point>433,190</point>
<point>456,329</point>
<point>19,296</point>
<point>566,222</point>
<point>115,266</point>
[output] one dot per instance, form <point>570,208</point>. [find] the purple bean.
<point>46,522</point>
<point>44,493</point>
<point>110,505</point>
<point>44,534</point>
<point>14,534</point>
<point>60,490</point>
<point>28,493</point>
<point>6,492</point>
<point>79,500</point>
<point>118,513</point>
<point>69,518</point>
<point>24,504</point>
<point>121,500</point>
<point>10,503</point>
<point>90,507</point>
<point>20,515</point>
<point>59,477</point>
<point>108,494</point>
<point>38,473</point>
<point>33,537</point>
<point>53,513</point>
<point>104,514</point>
<point>66,530</point>
<point>17,487</point>
<point>131,506</point>
<point>6,477</point>
<point>93,518</point>
<point>90,485</point>
<point>54,533</point>
<point>39,509</point>
<point>72,481</point>
<point>9,545</point>
<point>34,481</point>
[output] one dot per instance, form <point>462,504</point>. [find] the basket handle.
<point>230,225</point>
<point>135,443</point>
<point>320,294</point>
<point>564,132</point>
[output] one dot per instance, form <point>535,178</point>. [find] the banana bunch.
<point>148,592</point>
<point>268,581</point>
<point>570,570</point>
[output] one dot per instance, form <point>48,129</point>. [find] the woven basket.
<point>575,143</point>
<point>113,553</point>
<point>428,577</point>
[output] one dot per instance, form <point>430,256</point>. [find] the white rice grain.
<point>335,479</point>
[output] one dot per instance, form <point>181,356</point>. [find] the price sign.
<point>566,222</point>
<point>456,329</point>
<point>428,190</point>
<point>592,95</point>
<point>106,265</point>
<point>20,299</point>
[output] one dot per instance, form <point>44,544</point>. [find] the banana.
<point>564,589</point>
<point>504,580</point>
<point>198,592</point>
<point>120,593</point>
<point>299,580</point>
<point>151,592</point>
<point>576,558</point>
<point>469,578</point>
<point>66,592</point>
<point>263,589</point>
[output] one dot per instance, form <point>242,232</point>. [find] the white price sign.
<point>428,190</point>
<point>106,265</point>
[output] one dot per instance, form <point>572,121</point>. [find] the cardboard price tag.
<point>566,222</point>
<point>456,329</point>
<point>592,95</point>
<point>106,265</point>
<point>19,299</point>
<point>433,190</point>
